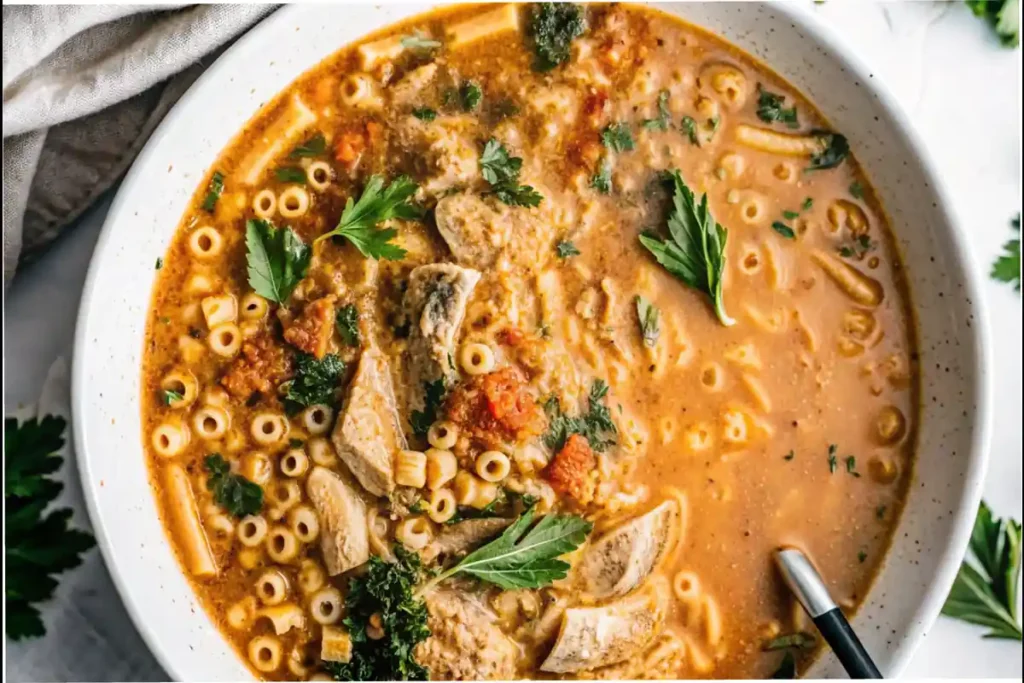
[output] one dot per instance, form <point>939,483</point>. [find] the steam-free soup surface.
<point>524,311</point>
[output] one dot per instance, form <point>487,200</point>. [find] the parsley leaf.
<point>501,170</point>
<point>315,380</point>
<point>790,215</point>
<point>385,590</point>
<point>617,137</point>
<point>650,321</point>
<point>985,590</point>
<point>170,396</point>
<point>695,249</point>
<point>290,174</point>
<point>770,108</point>
<point>233,492</point>
<point>524,557</point>
<point>787,667</point>
<point>851,466</point>
<point>424,113</point>
<point>37,546</point>
<point>594,425</point>
<point>832,461</point>
<point>417,41</point>
<point>784,230</point>
<point>689,126</point>
<point>1002,16</point>
<point>566,249</point>
<point>313,147</point>
<point>277,259</point>
<point>213,191</point>
<point>808,203</point>
<point>602,180</point>
<point>835,150</point>
<point>1007,267</point>
<point>359,220</point>
<point>800,640</point>
<point>857,247</point>
<point>346,320</point>
<point>470,95</point>
<point>856,190</point>
<point>159,263</point>
<point>433,398</point>
<point>553,27</point>
<point>664,118</point>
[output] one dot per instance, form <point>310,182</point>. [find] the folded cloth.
<point>83,88</point>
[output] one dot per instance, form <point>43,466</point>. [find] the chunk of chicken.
<point>409,90</point>
<point>462,537</point>
<point>592,637</point>
<point>475,230</point>
<point>621,559</point>
<point>447,149</point>
<point>465,643</point>
<point>435,305</point>
<point>368,431</point>
<point>342,513</point>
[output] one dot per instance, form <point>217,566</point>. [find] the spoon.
<point>806,584</point>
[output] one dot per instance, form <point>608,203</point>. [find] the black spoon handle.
<point>836,631</point>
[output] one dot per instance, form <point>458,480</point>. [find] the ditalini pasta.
<point>446,279</point>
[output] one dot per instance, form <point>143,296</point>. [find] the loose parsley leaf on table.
<point>650,321</point>
<point>213,191</point>
<point>314,382</point>
<point>595,425</point>
<point>346,320</point>
<point>553,27</point>
<point>501,171</point>
<point>359,220</point>
<point>1007,267</point>
<point>771,108</point>
<point>386,590</point>
<point>37,546</point>
<point>524,557</point>
<point>277,259</point>
<point>233,492</point>
<point>985,590</point>
<point>695,248</point>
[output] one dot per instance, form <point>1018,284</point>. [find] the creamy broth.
<point>714,444</point>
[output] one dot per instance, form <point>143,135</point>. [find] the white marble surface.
<point>963,92</point>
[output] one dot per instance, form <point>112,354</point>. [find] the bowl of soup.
<point>509,341</point>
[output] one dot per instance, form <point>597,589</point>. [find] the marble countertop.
<point>961,89</point>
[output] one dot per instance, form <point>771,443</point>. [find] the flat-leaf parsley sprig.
<point>695,248</point>
<point>359,220</point>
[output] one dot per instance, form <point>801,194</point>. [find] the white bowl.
<point>955,414</point>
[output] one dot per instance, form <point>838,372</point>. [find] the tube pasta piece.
<point>311,576</point>
<point>284,617</point>
<point>773,141</point>
<point>620,560</point>
<point>241,614</point>
<point>225,340</point>
<point>326,606</point>
<point>385,49</point>
<point>856,285</point>
<point>185,516</point>
<point>294,463</point>
<point>205,243</point>
<point>335,644</point>
<point>211,422</point>
<point>413,533</point>
<point>282,546</point>
<point>265,653</point>
<point>443,435</point>
<point>411,469</point>
<point>592,637</point>
<point>317,419</point>
<point>489,24</point>
<point>279,136</point>
<point>492,466</point>
<point>476,359</point>
<point>169,439</point>
<point>219,309</point>
<point>293,202</point>
<point>272,587</point>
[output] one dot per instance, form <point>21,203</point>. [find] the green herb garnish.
<point>595,425</point>
<point>862,556</point>
<point>233,492</point>
<point>359,220</point>
<point>799,640</point>
<point>37,546</point>
<point>213,191</point>
<point>159,263</point>
<point>880,512</point>
<point>833,462</point>
<point>523,557</point>
<point>1002,15</point>
<point>470,95</point>
<point>313,147</point>
<point>787,667</point>
<point>689,126</point>
<point>424,113</point>
<point>856,190</point>
<point>650,321</point>
<point>290,174</point>
<point>1007,267</point>
<point>790,215</point>
<point>857,247</point>
<point>385,589</point>
<point>771,109</point>
<point>836,150</point>
<point>501,170</point>
<point>433,399</point>
<point>418,42</point>
<point>315,381</point>
<point>617,137</point>
<point>602,180</point>
<point>789,456</point>
<point>277,259</point>
<point>346,321</point>
<point>985,590</point>
<point>808,203</point>
<point>664,119</point>
<point>784,230</point>
<point>851,466</point>
<point>553,27</point>
<point>170,396</point>
<point>566,249</point>
<point>695,249</point>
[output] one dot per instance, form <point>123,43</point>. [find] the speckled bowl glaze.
<point>954,419</point>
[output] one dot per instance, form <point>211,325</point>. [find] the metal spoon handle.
<point>805,583</point>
